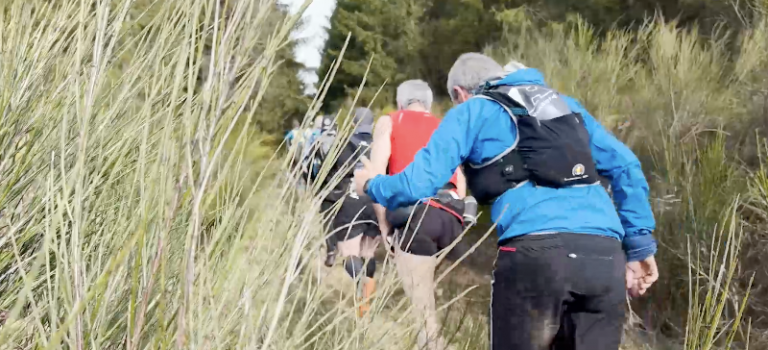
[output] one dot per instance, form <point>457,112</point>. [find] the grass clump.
<point>139,210</point>
<point>124,128</point>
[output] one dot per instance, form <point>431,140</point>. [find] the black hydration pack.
<point>551,149</point>
<point>400,217</point>
<point>347,160</point>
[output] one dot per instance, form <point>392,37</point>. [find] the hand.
<point>362,175</point>
<point>384,228</point>
<point>641,275</point>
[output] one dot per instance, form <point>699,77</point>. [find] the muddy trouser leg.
<point>558,291</point>
<point>416,263</point>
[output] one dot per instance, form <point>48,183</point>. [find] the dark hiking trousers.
<point>558,291</point>
<point>429,231</point>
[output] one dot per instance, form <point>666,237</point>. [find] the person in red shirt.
<point>435,222</point>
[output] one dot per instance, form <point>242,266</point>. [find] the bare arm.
<point>380,152</point>
<point>461,183</point>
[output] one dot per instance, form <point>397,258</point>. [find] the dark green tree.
<point>422,38</point>
<point>388,32</point>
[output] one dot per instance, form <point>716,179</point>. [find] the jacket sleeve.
<point>616,162</point>
<point>432,167</point>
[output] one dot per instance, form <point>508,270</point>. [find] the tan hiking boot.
<point>417,274</point>
<point>367,288</point>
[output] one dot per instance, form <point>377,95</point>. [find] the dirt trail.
<point>471,311</point>
<point>472,272</point>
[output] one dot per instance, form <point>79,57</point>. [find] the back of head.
<point>363,120</point>
<point>414,91</point>
<point>470,70</point>
<point>327,123</point>
<point>318,123</point>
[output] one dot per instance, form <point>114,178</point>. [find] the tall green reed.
<point>133,214</point>
<point>120,199</point>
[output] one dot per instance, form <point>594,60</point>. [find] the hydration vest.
<point>446,200</point>
<point>358,144</point>
<point>411,131</point>
<point>551,148</point>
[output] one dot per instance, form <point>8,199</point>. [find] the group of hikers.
<point>568,251</point>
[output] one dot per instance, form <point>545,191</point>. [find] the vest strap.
<point>551,147</point>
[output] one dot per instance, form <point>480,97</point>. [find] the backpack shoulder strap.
<point>360,140</point>
<point>536,101</point>
<point>325,142</point>
<point>361,145</point>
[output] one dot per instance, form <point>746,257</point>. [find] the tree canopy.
<point>406,39</point>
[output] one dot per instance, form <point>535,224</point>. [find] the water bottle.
<point>470,210</point>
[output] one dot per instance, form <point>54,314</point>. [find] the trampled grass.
<point>139,210</point>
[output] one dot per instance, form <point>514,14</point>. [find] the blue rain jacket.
<point>479,129</point>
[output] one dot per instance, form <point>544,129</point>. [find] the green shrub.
<point>688,107</point>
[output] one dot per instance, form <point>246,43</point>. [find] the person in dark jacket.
<point>354,228</point>
<point>568,252</point>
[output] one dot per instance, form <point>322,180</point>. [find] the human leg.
<point>356,230</point>
<point>331,241</point>
<point>368,282</point>
<point>416,262</point>
<point>529,287</point>
<point>417,274</point>
<point>594,318</point>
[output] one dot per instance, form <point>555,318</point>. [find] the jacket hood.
<point>526,76</point>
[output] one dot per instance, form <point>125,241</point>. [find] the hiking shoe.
<point>330,258</point>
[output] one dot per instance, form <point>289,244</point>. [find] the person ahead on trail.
<point>310,136</point>
<point>295,137</point>
<point>354,227</point>
<point>567,253</point>
<point>435,222</point>
<point>294,134</point>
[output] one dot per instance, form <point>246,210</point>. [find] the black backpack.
<point>552,147</point>
<point>358,145</point>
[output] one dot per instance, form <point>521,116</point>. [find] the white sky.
<point>312,36</point>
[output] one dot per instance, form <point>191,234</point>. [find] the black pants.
<point>558,291</point>
<point>430,230</point>
<point>355,217</point>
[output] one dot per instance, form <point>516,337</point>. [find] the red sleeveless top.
<point>411,131</point>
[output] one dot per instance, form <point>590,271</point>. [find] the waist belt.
<point>444,200</point>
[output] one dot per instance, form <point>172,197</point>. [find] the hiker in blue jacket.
<point>568,253</point>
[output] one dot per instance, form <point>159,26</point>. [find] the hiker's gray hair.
<point>413,91</point>
<point>470,70</point>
